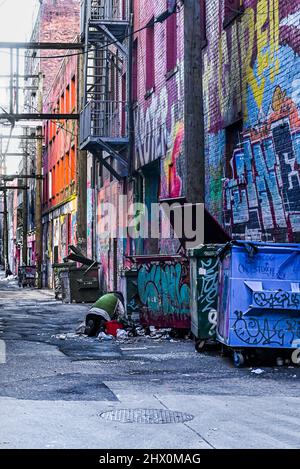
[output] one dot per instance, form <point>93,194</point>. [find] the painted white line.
<point>2,352</point>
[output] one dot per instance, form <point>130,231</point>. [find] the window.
<point>73,94</point>
<point>233,9</point>
<point>135,71</point>
<point>67,103</point>
<point>233,135</point>
<point>67,164</point>
<point>150,70</point>
<point>171,33</point>
<point>63,173</point>
<point>62,104</point>
<point>73,163</point>
<point>57,184</point>
<point>203,22</point>
<point>50,186</point>
<point>54,182</point>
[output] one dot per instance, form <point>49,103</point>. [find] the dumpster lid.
<point>206,250</point>
<point>77,256</point>
<point>253,247</point>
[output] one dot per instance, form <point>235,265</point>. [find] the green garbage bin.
<point>80,285</point>
<point>204,267</point>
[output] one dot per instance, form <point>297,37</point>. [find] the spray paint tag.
<point>202,271</point>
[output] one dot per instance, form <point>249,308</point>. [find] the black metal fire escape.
<point>103,120</point>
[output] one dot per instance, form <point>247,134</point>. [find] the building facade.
<point>57,21</point>
<point>160,158</point>
<point>60,169</point>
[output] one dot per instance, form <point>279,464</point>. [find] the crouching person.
<point>109,307</point>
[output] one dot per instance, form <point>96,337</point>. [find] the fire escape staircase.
<point>103,120</point>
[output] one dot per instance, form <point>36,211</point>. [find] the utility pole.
<point>5,233</point>
<point>38,192</point>
<point>25,204</point>
<point>193,104</point>
<point>81,170</point>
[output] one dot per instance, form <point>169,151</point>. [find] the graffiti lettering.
<point>266,269</point>
<point>165,289</point>
<point>262,332</point>
<point>264,193</point>
<point>213,320</point>
<point>274,300</point>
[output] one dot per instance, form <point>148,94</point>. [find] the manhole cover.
<point>157,416</point>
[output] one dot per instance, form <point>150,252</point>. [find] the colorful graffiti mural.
<point>164,290</point>
<point>262,197</point>
<point>261,179</point>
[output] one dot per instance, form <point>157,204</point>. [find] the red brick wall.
<point>60,136</point>
<point>60,22</point>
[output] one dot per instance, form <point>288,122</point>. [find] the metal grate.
<point>149,416</point>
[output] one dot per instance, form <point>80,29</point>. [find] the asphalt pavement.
<point>60,390</point>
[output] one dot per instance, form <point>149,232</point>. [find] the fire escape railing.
<point>113,10</point>
<point>104,30</point>
<point>102,119</point>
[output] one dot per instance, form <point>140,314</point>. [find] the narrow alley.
<point>53,391</point>
<point>149,226</point>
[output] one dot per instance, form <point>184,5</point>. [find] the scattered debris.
<point>103,336</point>
<point>122,334</point>
<point>258,371</point>
<point>80,330</point>
<point>59,336</point>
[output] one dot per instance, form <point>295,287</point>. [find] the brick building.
<point>60,168</point>
<point>151,151</point>
<point>57,21</point>
<point>251,95</point>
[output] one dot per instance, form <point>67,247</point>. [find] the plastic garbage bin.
<point>204,270</point>
<point>259,298</point>
<point>80,285</point>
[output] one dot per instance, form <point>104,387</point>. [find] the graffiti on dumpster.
<point>277,299</point>
<point>165,288</point>
<point>265,269</point>
<point>262,332</point>
<point>209,291</point>
<point>213,321</point>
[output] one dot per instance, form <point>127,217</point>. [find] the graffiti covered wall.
<point>164,290</point>
<point>252,75</point>
<point>159,111</point>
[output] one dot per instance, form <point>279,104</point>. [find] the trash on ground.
<point>80,330</point>
<point>122,334</point>
<point>103,336</point>
<point>258,371</point>
<point>112,327</point>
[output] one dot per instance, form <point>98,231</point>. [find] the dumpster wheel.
<point>200,345</point>
<point>238,359</point>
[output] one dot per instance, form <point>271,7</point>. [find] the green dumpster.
<point>204,267</point>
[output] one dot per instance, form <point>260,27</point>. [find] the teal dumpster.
<point>259,299</point>
<point>204,264</point>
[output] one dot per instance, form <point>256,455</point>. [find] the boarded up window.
<point>171,42</point>
<point>150,68</point>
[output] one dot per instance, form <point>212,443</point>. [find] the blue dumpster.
<point>259,297</point>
